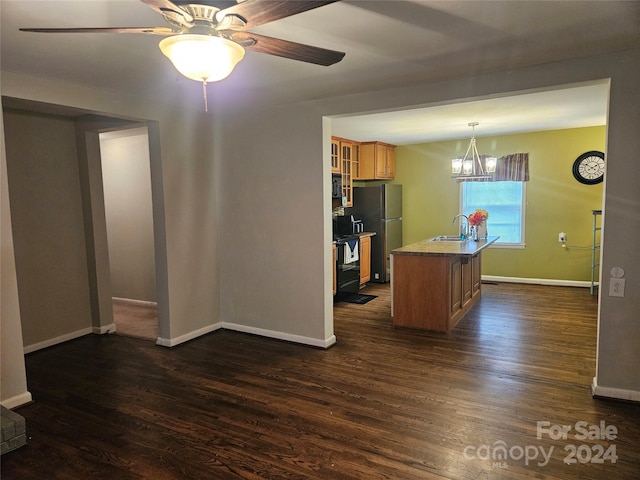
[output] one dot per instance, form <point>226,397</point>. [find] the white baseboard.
<point>617,393</point>
<point>54,341</point>
<point>538,281</point>
<point>111,328</point>
<point>314,342</point>
<point>17,400</point>
<point>133,301</point>
<point>172,342</point>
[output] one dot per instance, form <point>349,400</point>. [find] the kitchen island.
<point>435,283</point>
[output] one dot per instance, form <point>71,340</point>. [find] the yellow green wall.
<point>556,202</point>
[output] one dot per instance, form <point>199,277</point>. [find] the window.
<point>505,203</point>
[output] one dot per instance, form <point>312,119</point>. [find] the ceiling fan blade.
<point>287,49</point>
<point>171,10</point>
<point>147,30</point>
<point>259,12</point>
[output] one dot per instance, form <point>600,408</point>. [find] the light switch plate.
<point>616,287</point>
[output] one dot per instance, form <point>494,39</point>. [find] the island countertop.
<point>425,247</point>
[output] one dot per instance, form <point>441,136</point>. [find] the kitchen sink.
<point>446,238</point>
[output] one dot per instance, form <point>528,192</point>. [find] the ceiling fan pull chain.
<point>204,95</point>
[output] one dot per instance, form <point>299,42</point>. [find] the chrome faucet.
<point>464,233</point>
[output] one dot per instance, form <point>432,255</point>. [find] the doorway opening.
<point>584,105</point>
<point>126,182</point>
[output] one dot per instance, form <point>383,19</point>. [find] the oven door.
<point>348,272</point>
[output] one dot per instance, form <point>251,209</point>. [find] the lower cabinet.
<point>476,275</point>
<point>433,292</point>
<point>365,260</point>
<point>456,285</point>
<point>465,283</point>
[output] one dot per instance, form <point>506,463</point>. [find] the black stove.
<point>345,238</point>
<point>347,263</point>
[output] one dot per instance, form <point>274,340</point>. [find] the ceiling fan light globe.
<point>204,58</point>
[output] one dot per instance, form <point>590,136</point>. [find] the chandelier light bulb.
<point>490,164</point>
<point>456,166</point>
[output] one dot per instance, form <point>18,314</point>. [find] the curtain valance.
<point>512,168</point>
<point>509,168</point>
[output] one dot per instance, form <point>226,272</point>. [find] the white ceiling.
<point>570,107</point>
<point>387,43</point>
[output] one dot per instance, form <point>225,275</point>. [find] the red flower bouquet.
<point>477,217</point>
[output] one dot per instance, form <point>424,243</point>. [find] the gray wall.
<point>13,379</point>
<point>619,327</point>
<point>272,233</point>
<point>48,227</point>
<point>126,176</point>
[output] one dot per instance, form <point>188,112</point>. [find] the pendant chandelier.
<point>470,167</point>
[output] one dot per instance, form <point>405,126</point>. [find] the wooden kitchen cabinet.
<point>355,160</point>
<point>466,280</point>
<point>456,285</point>
<point>347,175</point>
<point>365,259</point>
<point>377,161</point>
<point>345,160</point>
<point>476,275</point>
<point>434,292</point>
<point>347,152</point>
<point>434,284</point>
<point>465,285</point>
<point>335,155</point>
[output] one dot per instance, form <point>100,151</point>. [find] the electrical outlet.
<point>562,237</point>
<point>616,287</point>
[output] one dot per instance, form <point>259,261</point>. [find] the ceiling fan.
<point>207,38</point>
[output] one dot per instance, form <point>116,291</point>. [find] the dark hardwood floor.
<point>383,403</point>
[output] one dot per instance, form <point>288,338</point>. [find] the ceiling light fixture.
<point>204,58</point>
<point>470,166</point>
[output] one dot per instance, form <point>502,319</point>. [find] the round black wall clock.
<point>589,167</point>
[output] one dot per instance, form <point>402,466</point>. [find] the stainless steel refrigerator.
<point>380,209</point>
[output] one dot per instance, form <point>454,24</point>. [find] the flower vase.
<point>481,230</point>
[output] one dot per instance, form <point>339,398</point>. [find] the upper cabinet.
<point>361,161</point>
<point>335,155</point>
<point>355,160</point>
<point>345,161</point>
<point>377,161</point>
<point>346,158</point>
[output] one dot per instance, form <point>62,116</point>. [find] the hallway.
<point>132,320</point>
